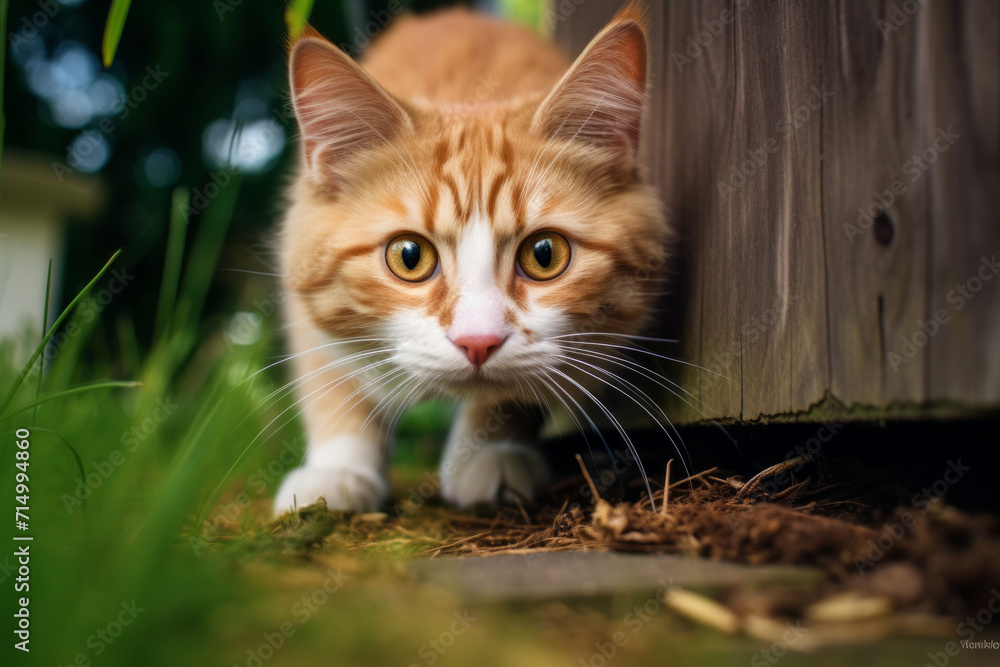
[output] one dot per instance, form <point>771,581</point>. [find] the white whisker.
<point>617,425</point>
<point>386,400</point>
<point>554,388</point>
<point>614,335</point>
<point>651,375</point>
<point>346,341</point>
<point>653,354</point>
<point>330,386</point>
<point>379,382</point>
<point>324,368</point>
<point>571,139</point>
<point>682,449</point>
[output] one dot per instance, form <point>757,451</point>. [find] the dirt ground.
<point>881,569</point>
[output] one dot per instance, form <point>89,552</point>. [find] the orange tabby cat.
<point>466,206</point>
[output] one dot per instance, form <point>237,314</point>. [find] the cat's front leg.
<point>340,471</point>
<point>345,462</point>
<point>491,456</point>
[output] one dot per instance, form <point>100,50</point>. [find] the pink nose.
<point>478,348</point>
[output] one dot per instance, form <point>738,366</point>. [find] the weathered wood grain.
<point>771,124</point>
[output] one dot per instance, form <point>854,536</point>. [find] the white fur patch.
<point>516,468</point>
<point>347,471</point>
<point>481,302</point>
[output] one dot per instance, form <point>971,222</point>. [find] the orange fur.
<point>456,119</point>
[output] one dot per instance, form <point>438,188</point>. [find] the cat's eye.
<point>544,255</point>
<point>411,257</point>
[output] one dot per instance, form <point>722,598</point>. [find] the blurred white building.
<point>35,207</point>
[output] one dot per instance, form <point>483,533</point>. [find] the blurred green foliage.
<point>526,12</point>
<point>209,55</point>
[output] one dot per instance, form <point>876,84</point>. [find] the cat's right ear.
<point>342,112</point>
<point>600,100</point>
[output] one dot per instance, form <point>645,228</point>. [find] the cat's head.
<point>475,241</point>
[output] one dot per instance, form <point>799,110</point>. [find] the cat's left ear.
<point>341,110</point>
<point>600,100</point>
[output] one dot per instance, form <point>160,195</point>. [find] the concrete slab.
<point>592,573</point>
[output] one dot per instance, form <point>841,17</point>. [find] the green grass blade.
<point>52,330</point>
<point>297,16</point>
<point>45,327</point>
<point>205,254</point>
<point>113,29</point>
<point>76,457</point>
<point>70,391</point>
<point>172,262</point>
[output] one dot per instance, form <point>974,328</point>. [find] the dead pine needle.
<point>590,482</point>
<point>695,476</point>
<point>666,489</point>
<point>437,549</point>
<point>773,470</point>
<point>524,513</point>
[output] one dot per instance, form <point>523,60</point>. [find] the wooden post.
<point>834,169</point>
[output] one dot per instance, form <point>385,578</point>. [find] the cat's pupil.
<point>410,255</point>
<point>543,253</point>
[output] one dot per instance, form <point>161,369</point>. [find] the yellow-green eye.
<point>544,255</point>
<point>411,257</point>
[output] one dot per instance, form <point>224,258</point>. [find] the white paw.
<point>519,469</point>
<point>354,489</point>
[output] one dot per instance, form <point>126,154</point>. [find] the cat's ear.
<point>600,99</point>
<point>342,112</point>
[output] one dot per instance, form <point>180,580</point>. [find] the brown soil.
<point>880,559</point>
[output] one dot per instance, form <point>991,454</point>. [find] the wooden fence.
<point>834,168</point>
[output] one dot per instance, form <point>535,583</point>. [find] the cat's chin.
<point>481,389</point>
